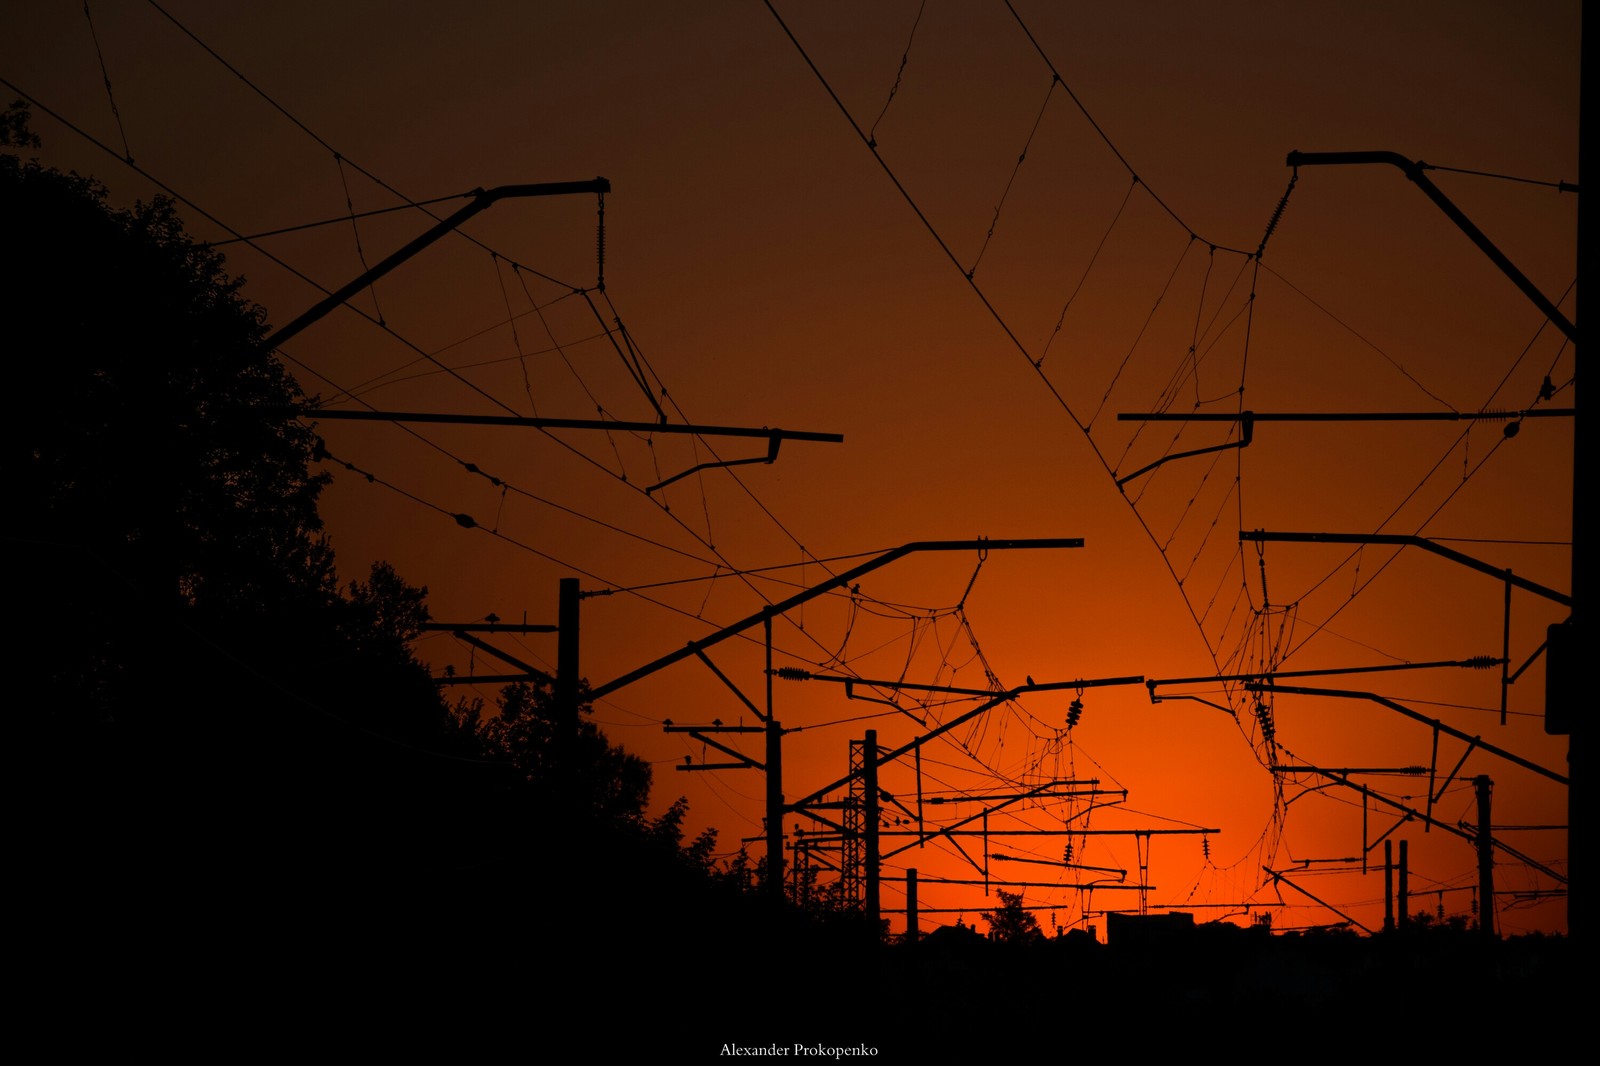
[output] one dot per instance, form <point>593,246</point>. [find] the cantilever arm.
<point>484,199</point>
<point>774,439</point>
<point>1414,170</point>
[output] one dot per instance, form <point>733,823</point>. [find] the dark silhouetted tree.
<point>217,741</point>
<point>583,777</point>
<point>1010,923</point>
<point>584,774</point>
<point>203,699</point>
<point>142,461</point>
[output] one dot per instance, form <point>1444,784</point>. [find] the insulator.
<point>793,673</point>
<point>1268,733</point>
<point>1277,214</point>
<point>1205,846</point>
<point>1264,716</point>
<point>1482,662</point>
<point>1074,712</point>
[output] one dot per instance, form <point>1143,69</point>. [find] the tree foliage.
<point>214,713</point>
<point>150,428</point>
<point>583,769</point>
<point>205,693</point>
<point>144,459</point>
<point>1010,923</point>
<point>571,769</point>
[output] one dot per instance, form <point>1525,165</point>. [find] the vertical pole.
<point>1404,901</point>
<point>869,771</point>
<point>911,905</point>
<point>564,740</point>
<point>774,783</point>
<point>1388,886</point>
<point>567,659</point>
<point>1484,788</point>
<point>1577,824</point>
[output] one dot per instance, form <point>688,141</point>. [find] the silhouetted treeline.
<point>213,732</point>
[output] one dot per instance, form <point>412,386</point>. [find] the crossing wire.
<point>977,290</point>
<point>904,57</point>
<point>1021,158</point>
<point>1089,266</point>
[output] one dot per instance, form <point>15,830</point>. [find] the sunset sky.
<point>973,325</point>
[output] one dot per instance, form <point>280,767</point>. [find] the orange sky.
<point>772,275</point>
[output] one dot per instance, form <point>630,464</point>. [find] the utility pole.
<point>564,693</point>
<point>1405,886</point>
<point>911,905</point>
<point>567,674</point>
<point>774,783</point>
<point>1577,829</point>
<point>1483,786</point>
<point>869,771</point>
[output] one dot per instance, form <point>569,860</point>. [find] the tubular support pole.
<point>774,783</point>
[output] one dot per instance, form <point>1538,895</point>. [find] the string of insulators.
<point>1074,712</point>
<point>793,673</point>
<point>1482,662</point>
<point>1278,212</point>
<point>1205,847</point>
<point>1264,716</point>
